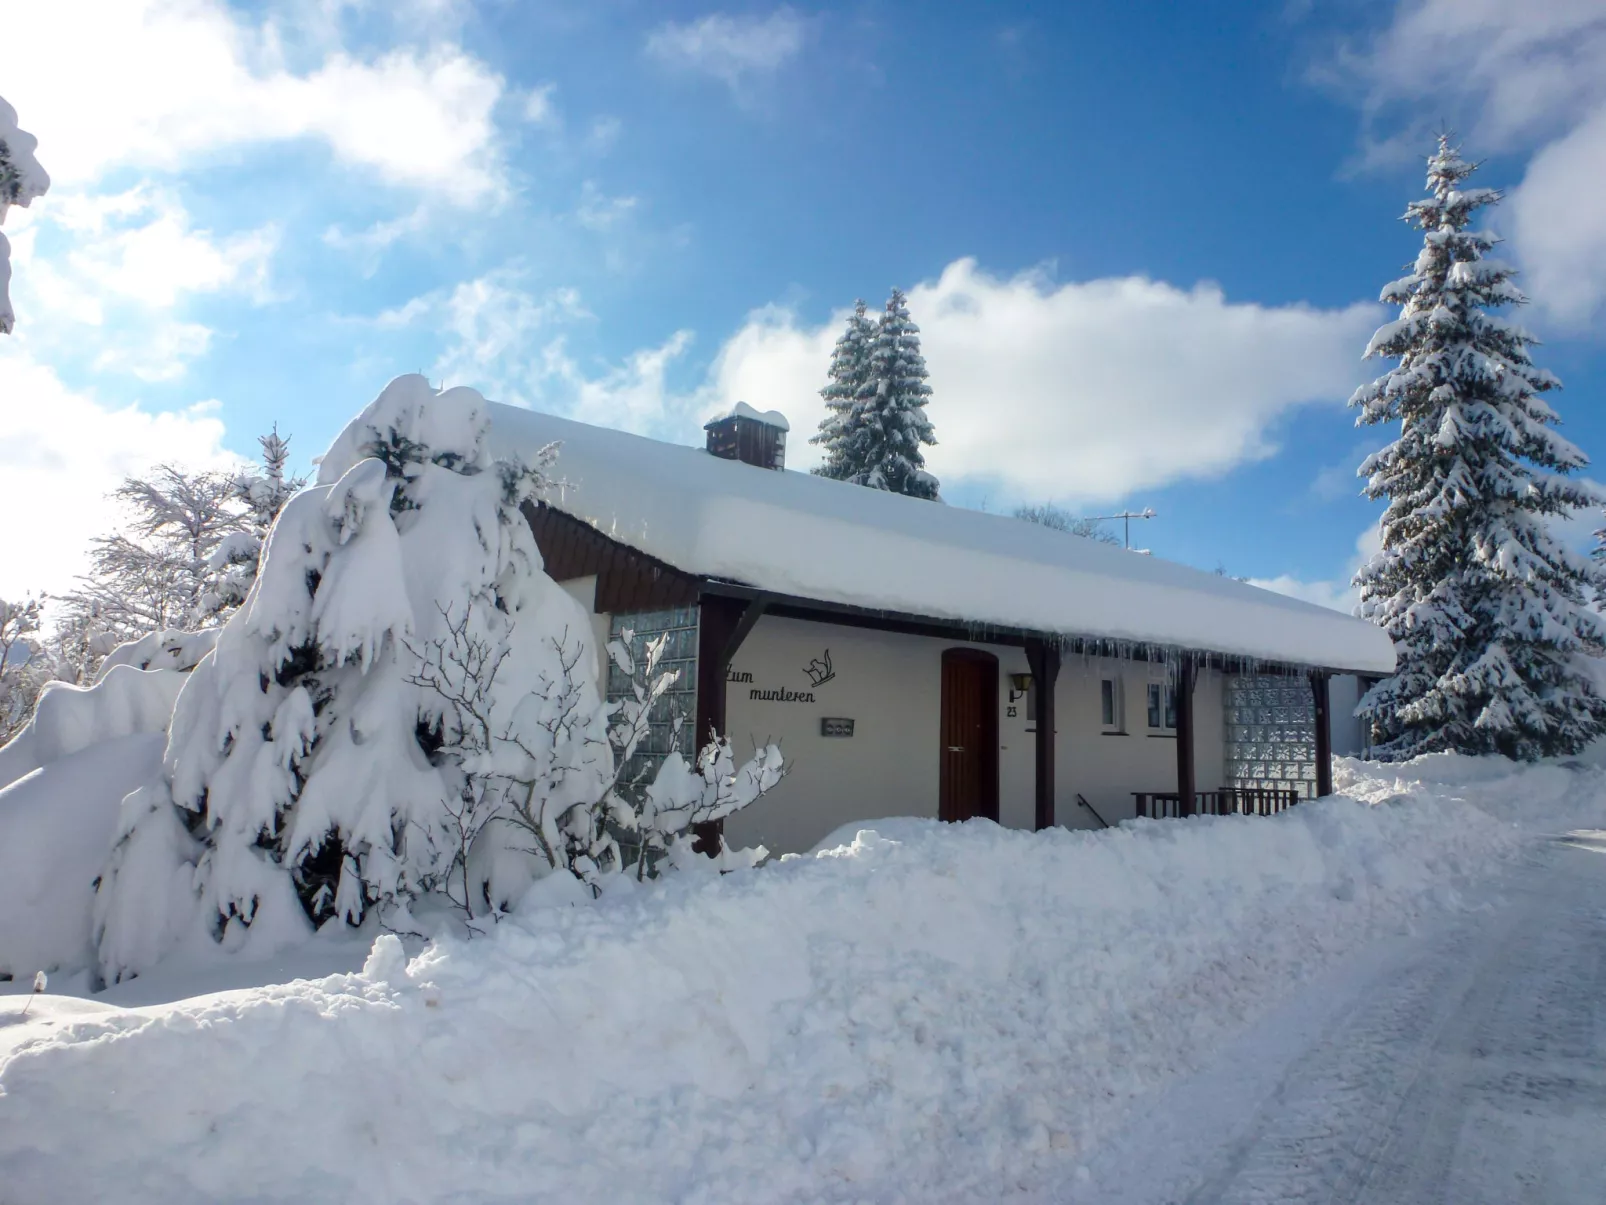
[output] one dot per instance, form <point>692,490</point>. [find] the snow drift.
<point>62,779</point>
<point>56,826</point>
<point>937,1017</point>
<point>125,701</point>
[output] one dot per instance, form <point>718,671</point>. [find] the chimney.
<point>749,436</point>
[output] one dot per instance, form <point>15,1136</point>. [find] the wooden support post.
<point>1044,660</point>
<point>1324,735</point>
<point>722,624</point>
<point>1185,775</point>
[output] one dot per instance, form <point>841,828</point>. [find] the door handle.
<point>956,748</point>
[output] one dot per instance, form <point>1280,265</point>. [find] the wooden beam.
<point>722,624</point>
<point>1324,734</point>
<point>1044,660</point>
<point>1185,775</point>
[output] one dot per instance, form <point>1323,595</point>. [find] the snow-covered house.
<point>917,658</point>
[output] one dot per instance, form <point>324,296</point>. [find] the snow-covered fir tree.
<point>876,441</point>
<point>1486,607</point>
<point>847,382</point>
<point>21,180</point>
<point>406,711</point>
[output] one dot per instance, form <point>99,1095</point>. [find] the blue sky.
<point>1144,240</point>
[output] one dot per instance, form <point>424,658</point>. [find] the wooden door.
<point>969,730</point>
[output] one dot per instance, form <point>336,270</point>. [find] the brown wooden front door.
<point>969,785</point>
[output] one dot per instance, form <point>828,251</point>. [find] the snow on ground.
<point>955,1015</point>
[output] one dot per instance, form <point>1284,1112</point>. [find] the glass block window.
<point>1271,733</point>
<point>680,624</point>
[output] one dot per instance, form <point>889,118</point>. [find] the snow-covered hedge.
<point>932,1017</point>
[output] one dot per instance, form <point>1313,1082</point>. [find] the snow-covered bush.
<point>21,180</point>
<point>404,709</point>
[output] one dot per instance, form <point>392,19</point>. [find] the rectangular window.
<point>1107,702</point>
<point>1162,707</point>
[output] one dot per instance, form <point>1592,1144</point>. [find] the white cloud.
<point>1525,78</point>
<point>131,261</point>
<point>1078,392</point>
<point>163,352</point>
<point>369,244</point>
<point>172,81</point>
<point>598,211</point>
<point>62,452</point>
<point>604,132</point>
<point>631,396</point>
<point>538,107</point>
<point>496,333</point>
<point>1335,595</point>
<point>730,48</point>
<point>140,245</point>
<point>1559,223</point>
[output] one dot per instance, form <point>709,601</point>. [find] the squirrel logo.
<point>819,670</point>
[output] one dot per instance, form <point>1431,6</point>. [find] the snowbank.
<point>125,701</point>
<point>937,1017</point>
<point>56,826</point>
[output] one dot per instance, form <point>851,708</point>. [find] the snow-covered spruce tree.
<point>405,709</point>
<point>847,381</point>
<point>877,440</point>
<point>1485,606</point>
<point>21,180</point>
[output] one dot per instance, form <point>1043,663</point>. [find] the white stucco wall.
<point>1105,768</point>
<point>890,685</point>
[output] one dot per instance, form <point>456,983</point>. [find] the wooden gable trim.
<point>627,579</point>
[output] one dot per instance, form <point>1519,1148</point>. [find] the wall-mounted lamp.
<point>1019,684</point>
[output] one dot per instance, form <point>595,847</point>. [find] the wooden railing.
<point>1229,801</point>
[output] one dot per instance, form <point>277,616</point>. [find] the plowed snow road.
<point>1465,1066</point>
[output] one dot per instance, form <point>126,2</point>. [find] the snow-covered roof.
<point>797,534</point>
